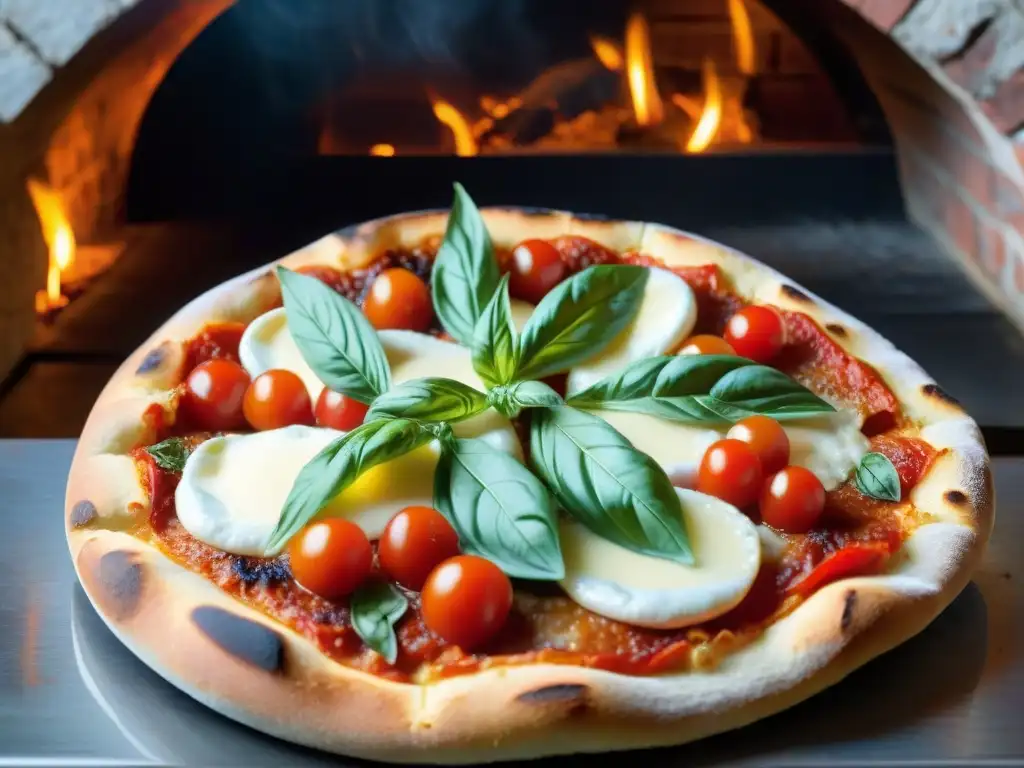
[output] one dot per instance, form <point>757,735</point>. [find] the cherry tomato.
<point>768,439</point>
<point>705,344</point>
<point>277,398</point>
<point>755,333</point>
<point>213,395</point>
<point>339,411</point>
<point>792,500</point>
<point>536,268</point>
<point>331,557</point>
<point>466,600</point>
<point>413,542</point>
<point>731,471</point>
<point>398,299</point>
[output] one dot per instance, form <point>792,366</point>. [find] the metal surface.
<point>71,694</point>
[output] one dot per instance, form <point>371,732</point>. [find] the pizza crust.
<point>254,670</point>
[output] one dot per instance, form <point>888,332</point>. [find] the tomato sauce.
<point>856,534</point>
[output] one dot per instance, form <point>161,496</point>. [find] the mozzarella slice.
<point>266,344</point>
<point>668,313</point>
<point>830,445</point>
<point>620,584</point>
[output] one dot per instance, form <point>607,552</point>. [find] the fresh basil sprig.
<point>500,510</point>
<point>334,337</point>
<point>465,272</point>
<point>511,399</point>
<point>170,454</point>
<point>877,477</point>
<point>702,389</point>
<point>376,608</point>
<point>430,400</point>
<point>494,340</point>
<point>601,480</point>
<point>338,465</point>
<point>579,318</point>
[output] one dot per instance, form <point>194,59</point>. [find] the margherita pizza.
<point>464,487</point>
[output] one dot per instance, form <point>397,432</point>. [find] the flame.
<point>711,115</point>
<point>465,142</point>
<point>382,150</point>
<point>640,72</point>
<point>743,37</point>
<point>59,237</point>
<point>607,52</point>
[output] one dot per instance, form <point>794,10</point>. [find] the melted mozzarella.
<point>652,592</point>
<point>267,344</point>
<point>667,315</point>
<point>830,445</point>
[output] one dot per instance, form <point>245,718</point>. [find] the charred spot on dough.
<point>83,513</point>
<point>153,360</point>
<point>934,390</point>
<point>246,640</point>
<point>118,579</point>
<point>849,606</point>
<point>958,498</point>
<point>836,330</point>
<point>591,217</point>
<point>794,293</point>
<point>563,693</point>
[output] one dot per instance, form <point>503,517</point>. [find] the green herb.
<point>170,454</point>
<point>509,400</point>
<point>601,480</point>
<point>338,465</point>
<point>877,477</point>
<point>375,609</point>
<point>430,400</point>
<point>702,389</point>
<point>579,318</point>
<point>465,272</point>
<point>494,340</point>
<point>335,340</point>
<point>500,510</point>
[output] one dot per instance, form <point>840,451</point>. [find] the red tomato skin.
<point>399,299</point>
<point>768,439</point>
<point>466,600</point>
<point>706,344</point>
<point>339,411</point>
<point>792,500</point>
<point>213,395</point>
<point>859,559</point>
<point>730,471</point>
<point>413,543</point>
<point>535,268</point>
<point>331,558</point>
<point>756,333</point>
<point>277,398</point>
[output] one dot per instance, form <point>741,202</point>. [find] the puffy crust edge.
<point>511,712</point>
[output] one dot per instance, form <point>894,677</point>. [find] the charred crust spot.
<point>934,390</point>
<point>959,498</point>
<point>246,640</point>
<point>794,293</point>
<point>836,330</point>
<point>83,513</point>
<point>119,579</point>
<point>849,605</point>
<point>153,360</point>
<point>563,693</point>
<point>591,217</point>
<point>257,570</point>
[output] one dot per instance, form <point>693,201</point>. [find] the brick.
<point>992,247</point>
<point>22,76</point>
<point>58,28</point>
<point>1006,107</point>
<point>960,224</point>
<point>970,70</point>
<point>884,14</point>
<point>936,29</point>
<point>1018,270</point>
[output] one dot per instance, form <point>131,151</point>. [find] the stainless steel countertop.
<point>70,694</point>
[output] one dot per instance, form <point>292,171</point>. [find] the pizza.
<point>468,486</point>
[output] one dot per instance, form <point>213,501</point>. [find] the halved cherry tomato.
<point>860,559</point>
<point>536,268</point>
<point>792,500</point>
<point>768,439</point>
<point>413,543</point>
<point>339,411</point>
<point>730,471</point>
<point>277,398</point>
<point>466,600</point>
<point>398,299</point>
<point>213,395</point>
<point>706,344</point>
<point>756,333</point>
<point>331,558</point>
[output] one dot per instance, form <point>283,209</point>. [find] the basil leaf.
<point>511,399</point>
<point>494,340</point>
<point>170,454</point>
<point>761,389</point>
<point>579,318</point>
<point>601,480</point>
<point>337,342</point>
<point>429,400</point>
<point>465,272</point>
<point>877,477</point>
<point>338,465</point>
<point>500,510</point>
<point>634,382</point>
<point>375,609</point>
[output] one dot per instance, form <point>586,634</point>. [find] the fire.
<point>382,150</point>
<point>743,37</point>
<point>60,240</point>
<point>465,141</point>
<point>711,115</point>
<point>640,72</point>
<point>607,52</point>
